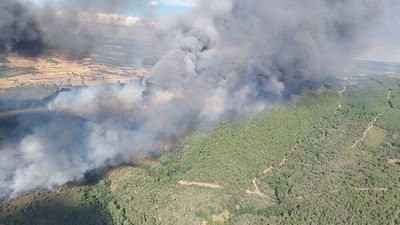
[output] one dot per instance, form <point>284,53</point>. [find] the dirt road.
<point>200,184</point>
<point>366,132</point>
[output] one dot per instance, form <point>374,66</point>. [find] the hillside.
<point>328,156</point>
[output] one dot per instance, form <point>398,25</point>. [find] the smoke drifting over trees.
<point>228,56</point>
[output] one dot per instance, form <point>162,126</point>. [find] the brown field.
<point>58,71</point>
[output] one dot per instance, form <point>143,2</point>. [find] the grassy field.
<point>10,71</point>
<point>3,59</point>
<point>328,157</point>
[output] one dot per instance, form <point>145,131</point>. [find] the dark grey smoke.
<point>19,29</point>
<point>30,29</point>
<point>228,57</point>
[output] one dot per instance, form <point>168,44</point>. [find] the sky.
<point>160,7</point>
<point>165,7</point>
<point>382,46</point>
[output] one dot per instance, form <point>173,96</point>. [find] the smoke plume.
<point>227,57</point>
<point>19,30</point>
<point>74,27</point>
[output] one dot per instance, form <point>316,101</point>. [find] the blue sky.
<point>164,7</point>
<point>158,7</point>
<point>176,6</point>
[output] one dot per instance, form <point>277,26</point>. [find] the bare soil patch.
<point>200,184</point>
<point>255,190</point>
<point>221,218</point>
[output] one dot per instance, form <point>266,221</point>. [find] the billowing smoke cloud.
<point>71,26</point>
<point>384,44</point>
<point>228,57</point>
<point>19,30</point>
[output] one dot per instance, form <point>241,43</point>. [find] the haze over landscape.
<point>199,112</point>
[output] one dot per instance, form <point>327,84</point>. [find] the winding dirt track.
<point>371,189</point>
<point>256,190</point>
<point>366,132</point>
<point>372,124</point>
<point>269,169</point>
<point>341,92</point>
<point>200,184</point>
<point>282,161</point>
<point>389,96</point>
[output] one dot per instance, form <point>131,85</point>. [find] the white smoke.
<point>228,57</point>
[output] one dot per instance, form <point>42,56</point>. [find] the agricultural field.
<point>327,156</point>
<point>109,64</point>
<point>7,71</point>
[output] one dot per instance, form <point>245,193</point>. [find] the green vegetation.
<point>235,152</point>
<point>7,71</point>
<point>3,59</point>
<point>51,60</point>
<point>322,170</point>
<point>67,205</point>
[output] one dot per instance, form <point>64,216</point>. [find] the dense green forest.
<point>328,156</point>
